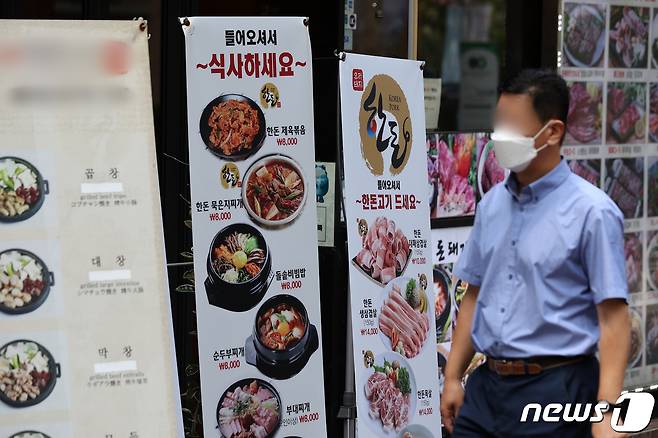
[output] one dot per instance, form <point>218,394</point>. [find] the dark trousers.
<point>493,404</point>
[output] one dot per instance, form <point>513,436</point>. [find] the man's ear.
<point>556,133</point>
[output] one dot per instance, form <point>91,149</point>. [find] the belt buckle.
<point>501,367</point>
<point>507,367</point>
<point>514,367</point>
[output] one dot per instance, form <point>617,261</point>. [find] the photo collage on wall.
<point>447,245</point>
<point>609,58</point>
<point>449,293</point>
<point>461,168</point>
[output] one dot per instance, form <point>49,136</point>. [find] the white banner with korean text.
<point>252,173</point>
<point>389,244</point>
<point>86,339</point>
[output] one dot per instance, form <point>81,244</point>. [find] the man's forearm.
<point>462,350</point>
<point>614,348</point>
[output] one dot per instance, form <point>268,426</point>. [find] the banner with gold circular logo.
<point>385,126</point>
<point>269,96</point>
<point>389,242</point>
<point>230,176</point>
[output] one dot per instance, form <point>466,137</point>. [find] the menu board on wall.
<point>447,245</point>
<point>609,57</point>
<point>461,168</point>
<point>388,231</point>
<point>85,323</point>
<point>252,174</point>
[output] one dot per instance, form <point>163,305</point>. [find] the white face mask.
<point>514,151</point>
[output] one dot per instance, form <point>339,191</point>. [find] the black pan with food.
<point>283,339</point>
<point>442,278</point>
<point>47,281</point>
<point>274,190</point>
<point>239,268</point>
<point>42,379</point>
<point>249,404</point>
<point>242,118</point>
<point>441,359</point>
<point>33,196</point>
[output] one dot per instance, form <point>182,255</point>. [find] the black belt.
<point>531,366</point>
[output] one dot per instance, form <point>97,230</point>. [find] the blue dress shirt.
<point>543,259</point>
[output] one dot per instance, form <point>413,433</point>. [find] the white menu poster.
<point>389,245</point>
<point>86,343</point>
<point>609,58</point>
<point>252,173</point>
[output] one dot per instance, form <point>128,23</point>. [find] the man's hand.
<point>452,399</point>
<point>604,430</point>
<point>614,349</point>
<point>460,356</point>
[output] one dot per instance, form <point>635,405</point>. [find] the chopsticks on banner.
<point>342,55</point>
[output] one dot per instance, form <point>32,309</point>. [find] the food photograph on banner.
<point>462,168</point>
<point>585,35</point>
<point>253,183</point>
<point>609,55</point>
<point>389,244</point>
<point>585,113</point>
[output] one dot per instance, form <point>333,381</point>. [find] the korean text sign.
<point>252,173</point>
<point>389,245</point>
<point>85,330</point>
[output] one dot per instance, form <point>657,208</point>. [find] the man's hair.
<point>548,91</point>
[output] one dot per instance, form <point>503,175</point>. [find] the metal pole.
<point>348,409</point>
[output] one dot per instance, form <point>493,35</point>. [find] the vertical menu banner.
<point>86,342</point>
<point>389,244</point>
<point>254,218</point>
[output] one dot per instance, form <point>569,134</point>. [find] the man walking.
<point>547,282</point>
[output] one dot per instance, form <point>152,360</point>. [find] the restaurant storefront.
<point>299,83</point>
